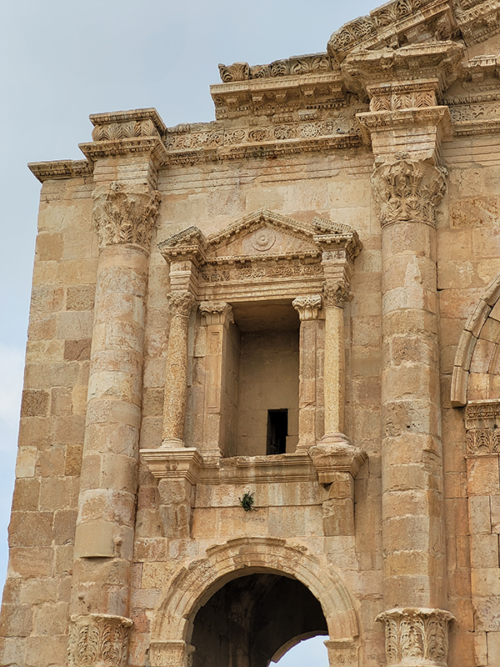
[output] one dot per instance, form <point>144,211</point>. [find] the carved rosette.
<point>99,640</point>
<point>180,303</point>
<point>416,637</point>
<point>122,217</point>
<point>216,312</point>
<point>408,190</point>
<point>335,294</point>
<point>308,307</point>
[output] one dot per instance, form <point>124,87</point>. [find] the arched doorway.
<point>255,619</point>
<point>193,586</point>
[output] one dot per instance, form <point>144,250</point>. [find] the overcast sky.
<point>62,60</point>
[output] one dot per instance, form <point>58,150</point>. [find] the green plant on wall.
<point>247,501</point>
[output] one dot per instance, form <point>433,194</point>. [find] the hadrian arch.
<point>196,584</point>
<point>242,339</point>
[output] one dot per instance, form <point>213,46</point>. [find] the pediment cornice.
<point>222,247</point>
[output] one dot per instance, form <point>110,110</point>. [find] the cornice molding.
<point>60,169</point>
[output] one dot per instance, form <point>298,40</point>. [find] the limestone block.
<point>483,476</point>
<point>338,517</point>
<point>26,459</point>
<point>484,551</point>
<point>493,641</point>
<point>479,515</point>
<point>94,539</point>
<point>26,495</point>
<point>480,649</point>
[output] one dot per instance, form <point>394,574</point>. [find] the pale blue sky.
<point>62,60</point>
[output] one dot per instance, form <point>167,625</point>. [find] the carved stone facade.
<point>262,394</point>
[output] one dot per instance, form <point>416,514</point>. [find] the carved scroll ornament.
<point>99,640</point>
<point>122,217</point>
<point>414,635</point>
<point>408,190</point>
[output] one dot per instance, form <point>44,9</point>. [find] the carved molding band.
<point>180,303</point>
<point>99,640</point>
<point>416,634</point>
<point>125,217</point>
<point>408,190</point>
<point>307,307</point>
<point>335,294</point>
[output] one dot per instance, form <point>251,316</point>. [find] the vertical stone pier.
<point>125,208</point>
<point>405,127</point>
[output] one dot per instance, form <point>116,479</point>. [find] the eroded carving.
<point>99,640</point>
<point>408,190</point>
<point>125,217</point>
<point>308,307</point>
<point>180,303</point>
<point>482,424</point>
<point>336,294</point>
<point>416,634</point>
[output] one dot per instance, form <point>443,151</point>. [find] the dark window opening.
<point>277,430</point>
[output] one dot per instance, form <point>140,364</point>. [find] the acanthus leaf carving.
<point>124,217</point>
<point>408,190</point>
<point>336,294</point>
<point>180,303</point>
<point>98,640</point>
<point>416,634</point>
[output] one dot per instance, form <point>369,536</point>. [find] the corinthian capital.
<point>123,217</point>
<point>307,306</point>
<point>216,312</point>
<point>416,636</point>
<point>181,303</point>
<point>408,190</point>
<point>98,640</point>
<point>335,294</point>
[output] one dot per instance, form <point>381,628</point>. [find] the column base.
<point>416,637</point>
<point>98,640</point>
<point>172,443</point>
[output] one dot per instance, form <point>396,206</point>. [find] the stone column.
<point>334,297</point>
<point>176,378</point>
<point>216,317</point>
<point>124,212</point>
<point>308,308</point>
<point>407,192</point>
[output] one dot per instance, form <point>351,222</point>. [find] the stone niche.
<point>262,380</point>
<point>254,334</point>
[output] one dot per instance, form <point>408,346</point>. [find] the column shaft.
<point>174,408</point>
<point>412,472</point>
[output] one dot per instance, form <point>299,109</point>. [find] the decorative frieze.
<point>416,636</point>
<point>308,307</point>
<point>317,62</point>
<point>408,190</point>
<point>98,640</point>
<point>122,217</point>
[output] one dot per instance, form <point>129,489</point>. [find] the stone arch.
<point>193,585</point>
<point>476,371</point>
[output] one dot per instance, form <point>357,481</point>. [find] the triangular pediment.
<point>259,235</point>
<point>262,233</point>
